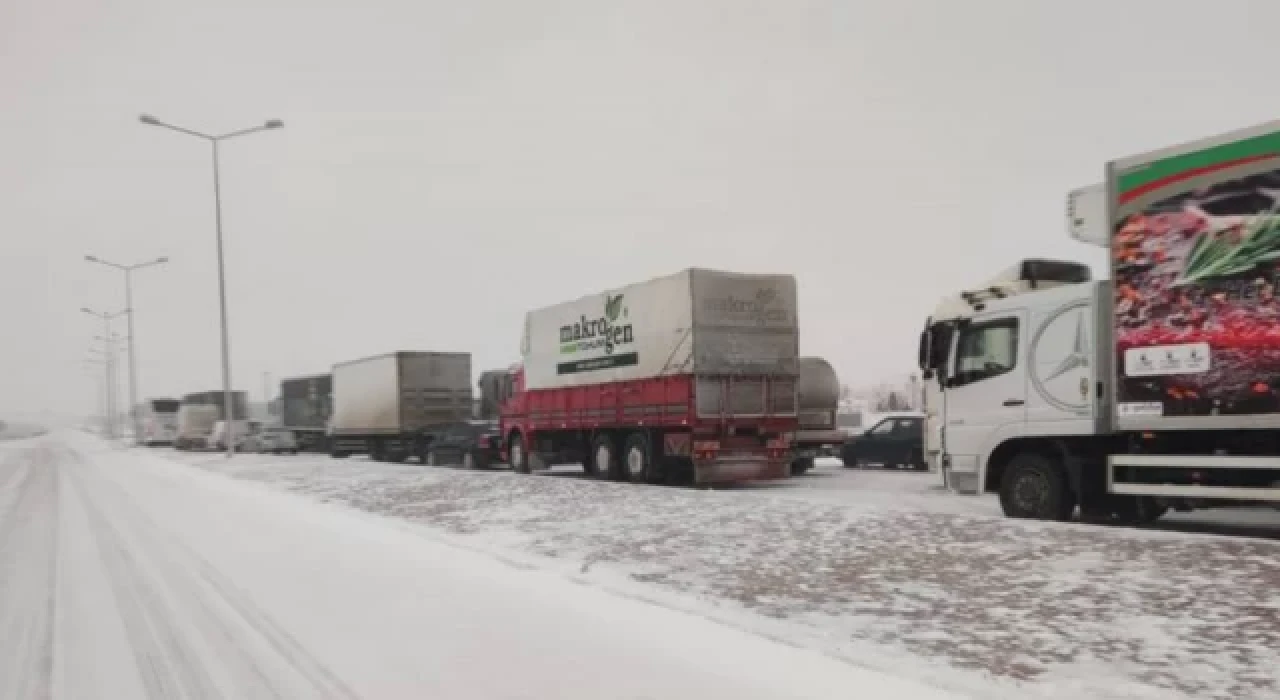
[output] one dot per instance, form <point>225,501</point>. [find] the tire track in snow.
<point>245,650</point>
<point>166,662</point>
<point>28,575</point>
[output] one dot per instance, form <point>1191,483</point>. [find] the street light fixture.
<point>128,303</point>
<point>222,279</point>
<point>107,339</point>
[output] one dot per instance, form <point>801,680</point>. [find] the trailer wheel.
<point>519,460</point>
<point>1035,486</point>
<point>605,458</point>
<point>801,466</point>
<point>637,460</point>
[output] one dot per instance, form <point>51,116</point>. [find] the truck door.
<point>986,389</point>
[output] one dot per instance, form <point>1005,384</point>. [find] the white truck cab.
<point>975,353</point>
<point>1157,389</point>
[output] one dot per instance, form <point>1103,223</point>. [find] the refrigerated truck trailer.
<point>818,401</point>
<point>306,405</point>
<point>688,377</point>
<point>1156,389</point>
<point>393,406</point>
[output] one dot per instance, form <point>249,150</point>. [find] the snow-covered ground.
<point>879,568</point>
<point>126,574</point>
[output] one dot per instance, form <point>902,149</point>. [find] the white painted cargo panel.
<point>366,396</point>
<point>400,392</point>
<point>695,321</point>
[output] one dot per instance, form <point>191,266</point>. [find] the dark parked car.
<point>473,444</point>
<point>894,441</point>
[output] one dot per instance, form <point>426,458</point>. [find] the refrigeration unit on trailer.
<point>818,401</point>
<point>1157,389</point>
<point>158,419</point>
<point>691,376</point>
<point>306,403</point>
<point>393,406</point>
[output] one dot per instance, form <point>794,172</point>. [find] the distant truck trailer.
<point>195,426</point>
<point>685,378</point>
<point>158,419</point>
<point>239,403</point>
<point>392,407</point>
<point>818,398</point>
<point>306,406</point>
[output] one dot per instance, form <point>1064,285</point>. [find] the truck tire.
<point>430,458</point>
<point>637,459</point>
<point>604,456</point>
<point>1035,486</point>
<point>801,466</point>
<point>519,458</point>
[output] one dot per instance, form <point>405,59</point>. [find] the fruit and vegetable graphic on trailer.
<point>1196,265</point>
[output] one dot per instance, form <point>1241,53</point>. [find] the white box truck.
<point>1157,389</point>
<point>393,406</point>
<point>195,426</point>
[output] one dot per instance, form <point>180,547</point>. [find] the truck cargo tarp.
<point>693,322</point>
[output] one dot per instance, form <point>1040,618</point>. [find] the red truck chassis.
<point>682,428</point>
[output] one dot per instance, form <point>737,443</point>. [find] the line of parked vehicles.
<point>1121,399</point>
<point>690,378</point>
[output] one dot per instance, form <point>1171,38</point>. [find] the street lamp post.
<point>109,357</point>
<point>222,280</point>
<point>128,304</point>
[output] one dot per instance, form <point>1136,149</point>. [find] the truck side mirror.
<point>923,353</point>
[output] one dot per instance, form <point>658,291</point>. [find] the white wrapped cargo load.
<point>693,322</point>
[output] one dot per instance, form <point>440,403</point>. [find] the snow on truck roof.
<point>1031,275</point>
<point>636,283</point>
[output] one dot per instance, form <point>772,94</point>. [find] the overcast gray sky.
<point>448,165</point>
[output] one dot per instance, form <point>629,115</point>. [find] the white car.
<point>272,440</point>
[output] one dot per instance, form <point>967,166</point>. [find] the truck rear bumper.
<point>739,469</point>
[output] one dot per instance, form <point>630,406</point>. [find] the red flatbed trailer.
<point>652,430</point>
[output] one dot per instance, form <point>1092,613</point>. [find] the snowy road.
<point>878,568</point>
<point>127,575</point>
